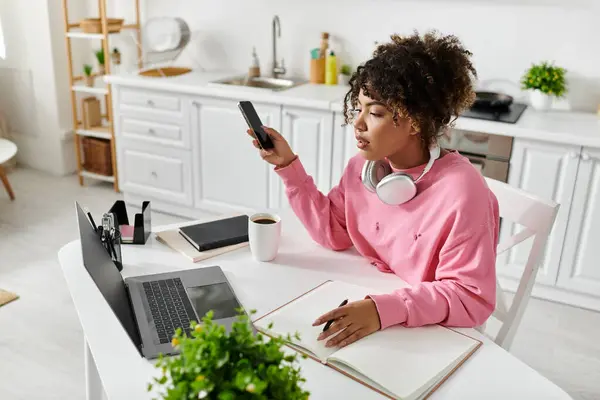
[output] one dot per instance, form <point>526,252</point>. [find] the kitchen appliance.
<point>490,154</point>
<point>495,106</point>
<point>510,114</point>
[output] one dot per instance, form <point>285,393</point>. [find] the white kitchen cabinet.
<point>344,147</point>
<point>309,133</point>
<point>579,265</point>
<point>228,170</point>
<point>549,171</point>
<point>156,172</point>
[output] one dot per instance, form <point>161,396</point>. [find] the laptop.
<point>151,307</point>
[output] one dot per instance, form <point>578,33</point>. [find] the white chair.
<point>7,151</point>
<point>537,217</point>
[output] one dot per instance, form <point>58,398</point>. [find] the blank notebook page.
<point>407,361</point>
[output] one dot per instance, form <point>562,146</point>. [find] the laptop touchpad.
<point>217,297</point>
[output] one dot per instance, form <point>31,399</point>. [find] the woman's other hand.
<point>281,155</point>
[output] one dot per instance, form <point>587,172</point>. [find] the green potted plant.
<point>214,364</point>
<point>116,56</point>
<point>544,81</point>
<point>100,58</point>
<point>344,76</point>
<point>89,78</point>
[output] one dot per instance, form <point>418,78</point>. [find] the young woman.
<point>443,240</point>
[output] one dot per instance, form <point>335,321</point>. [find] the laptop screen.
<point>105,274</point>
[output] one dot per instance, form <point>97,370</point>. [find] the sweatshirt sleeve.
<point>322,216</point>
<point>463,293</point>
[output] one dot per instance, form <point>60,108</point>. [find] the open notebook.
<point>398,362</point>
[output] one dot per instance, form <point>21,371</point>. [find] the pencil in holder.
<point>317,70</point>
<point>112,245</point>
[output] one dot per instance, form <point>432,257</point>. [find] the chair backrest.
<point>537,217</point>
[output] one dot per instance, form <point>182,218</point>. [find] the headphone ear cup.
<point>373,172</point>
<point>396,189</point>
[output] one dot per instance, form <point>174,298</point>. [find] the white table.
<point>112,363</point>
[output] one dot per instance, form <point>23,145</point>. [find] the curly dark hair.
<point>428,79</point>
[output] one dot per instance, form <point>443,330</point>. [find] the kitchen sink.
<point>273,84</point>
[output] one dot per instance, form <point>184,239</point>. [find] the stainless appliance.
<point>490,154</point>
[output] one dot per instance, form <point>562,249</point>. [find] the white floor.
<point>41,341</point>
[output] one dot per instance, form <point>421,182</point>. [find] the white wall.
<point>504,35</point>
<point>32,86</point>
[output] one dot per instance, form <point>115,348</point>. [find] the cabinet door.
<point>344,148</point>
<point>228,170</point>
<point>579,266</point>
<point>155,172</point>
<point>310,134</point>
<point>549,171</point>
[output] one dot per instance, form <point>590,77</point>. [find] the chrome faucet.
<point>278,70</point>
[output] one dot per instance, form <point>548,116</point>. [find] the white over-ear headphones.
<point>394,188</point>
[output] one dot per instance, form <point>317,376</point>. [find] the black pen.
<point>92,221</point>
<point>328,324</point>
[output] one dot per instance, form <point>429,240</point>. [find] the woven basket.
<point>94,25</point>
<point>97,156</point>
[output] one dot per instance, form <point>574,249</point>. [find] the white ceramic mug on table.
<point>264,232</point>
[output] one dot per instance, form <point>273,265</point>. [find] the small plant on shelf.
<point>89,78</point>
<point>544,81</point>
<point>100,58</point>
<point>116,56</point>
<point>214,364</point>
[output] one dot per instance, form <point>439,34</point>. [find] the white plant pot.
<point>539,100</point>
<point>343,80</point>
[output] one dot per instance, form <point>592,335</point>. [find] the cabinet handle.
<point>585,156</point>
<point>150,103</point>
<point>154,174</point>
<point>573,154</point>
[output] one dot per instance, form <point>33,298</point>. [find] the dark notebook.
<point>215,234</point>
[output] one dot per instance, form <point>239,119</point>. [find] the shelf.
<point>99,132</point>
<point>83,35</point>
<point>87,174</point>
<point>77,34</point>
<point>88,89</point>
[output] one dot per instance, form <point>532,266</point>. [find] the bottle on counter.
<point>324,45</point>
<point>331,68</point>
<point>254,70</point>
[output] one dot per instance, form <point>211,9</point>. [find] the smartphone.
<point>255,124</point>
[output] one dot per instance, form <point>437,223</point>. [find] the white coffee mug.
<point>264,231</point>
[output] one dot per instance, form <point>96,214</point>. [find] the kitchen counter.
<point>309,95</point>
<point>552,126</point>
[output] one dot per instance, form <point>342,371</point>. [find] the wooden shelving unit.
<point>73,31</point>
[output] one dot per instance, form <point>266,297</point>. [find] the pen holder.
<point>113,247</point>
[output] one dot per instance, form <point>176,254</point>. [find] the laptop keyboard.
<point>170,307</point>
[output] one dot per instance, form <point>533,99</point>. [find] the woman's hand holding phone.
<point>281,155</point>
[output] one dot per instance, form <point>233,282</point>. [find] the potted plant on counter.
<point>544,81</point>
<point>344,77</point>
<point>89,78</point>
<point>100,58</point>
<point>214,364</point>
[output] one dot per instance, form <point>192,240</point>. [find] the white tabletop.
<point>491,373</point>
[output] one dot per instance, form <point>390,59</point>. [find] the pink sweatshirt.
<point>442,242</point>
